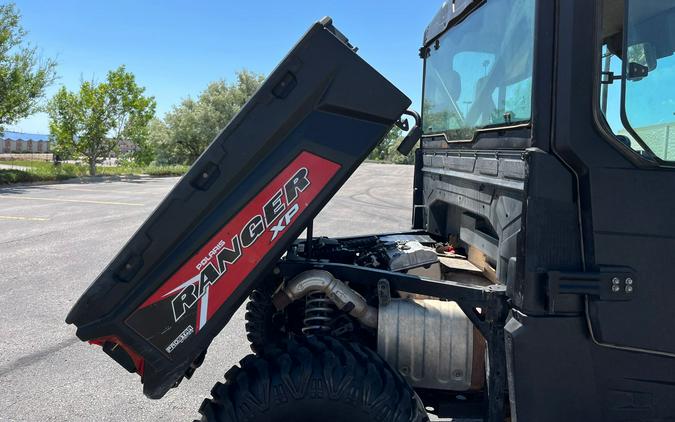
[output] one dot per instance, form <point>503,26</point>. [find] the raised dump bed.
<point>160,302</point>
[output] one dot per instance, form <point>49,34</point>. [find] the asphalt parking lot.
<point>54,239</point>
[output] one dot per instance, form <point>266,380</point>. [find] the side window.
<point>637,94</point>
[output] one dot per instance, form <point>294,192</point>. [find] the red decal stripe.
<point>319,172</point>
<point>139,362</point>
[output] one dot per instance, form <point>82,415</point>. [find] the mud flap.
<point>176,283</point>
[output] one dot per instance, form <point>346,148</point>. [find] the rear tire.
<point>264,324</point>
<point>313,379</point>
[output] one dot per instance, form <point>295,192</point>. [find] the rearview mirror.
<point>636,71</point>
<point>643,54</point>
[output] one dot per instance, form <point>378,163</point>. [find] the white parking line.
<point>120,192</point>
<point>12,217</point>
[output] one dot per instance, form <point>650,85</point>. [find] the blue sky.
<point>175,48</point>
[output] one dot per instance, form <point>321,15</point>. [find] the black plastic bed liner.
<point>171,289</point>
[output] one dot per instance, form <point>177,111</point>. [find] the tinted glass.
<point>479,74</point>
<point>649,74</point>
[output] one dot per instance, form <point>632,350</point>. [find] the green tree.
<point>92,122</point>
<point>191,126</point>
<point>395,157</point>
<point>383,151</point>
<point>23,75</point>
<point>164,150</point>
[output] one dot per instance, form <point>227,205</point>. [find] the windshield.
<point>479,73</point>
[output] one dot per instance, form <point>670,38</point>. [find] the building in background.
<point>24,143</point>
<point>126,146</point>
<point>659,138</point>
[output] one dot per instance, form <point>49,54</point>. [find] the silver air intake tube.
<point>344,298</point>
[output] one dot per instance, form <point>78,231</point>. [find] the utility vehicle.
<point>536,283</point>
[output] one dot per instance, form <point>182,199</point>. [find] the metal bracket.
<point>413,136</point>
<point>383,292</point>
<point>402,124</point>
<point>608,78</point>
<point>610,286</point>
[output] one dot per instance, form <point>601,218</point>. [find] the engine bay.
<point>400,325</point>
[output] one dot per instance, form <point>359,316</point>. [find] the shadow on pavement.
<point>20,188</point>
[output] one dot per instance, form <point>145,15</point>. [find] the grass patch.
<point>37,171</point>
<point>152,170</point>
<point>40,172</point>
<point>25,163</point>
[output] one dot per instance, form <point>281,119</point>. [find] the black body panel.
<point>625,207</point>
<point>461,188</point>
<point>579,214</point>
<point>450,13</point>
<point>556,374</point>
<point>592,210</point>
<point>176,283</point>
